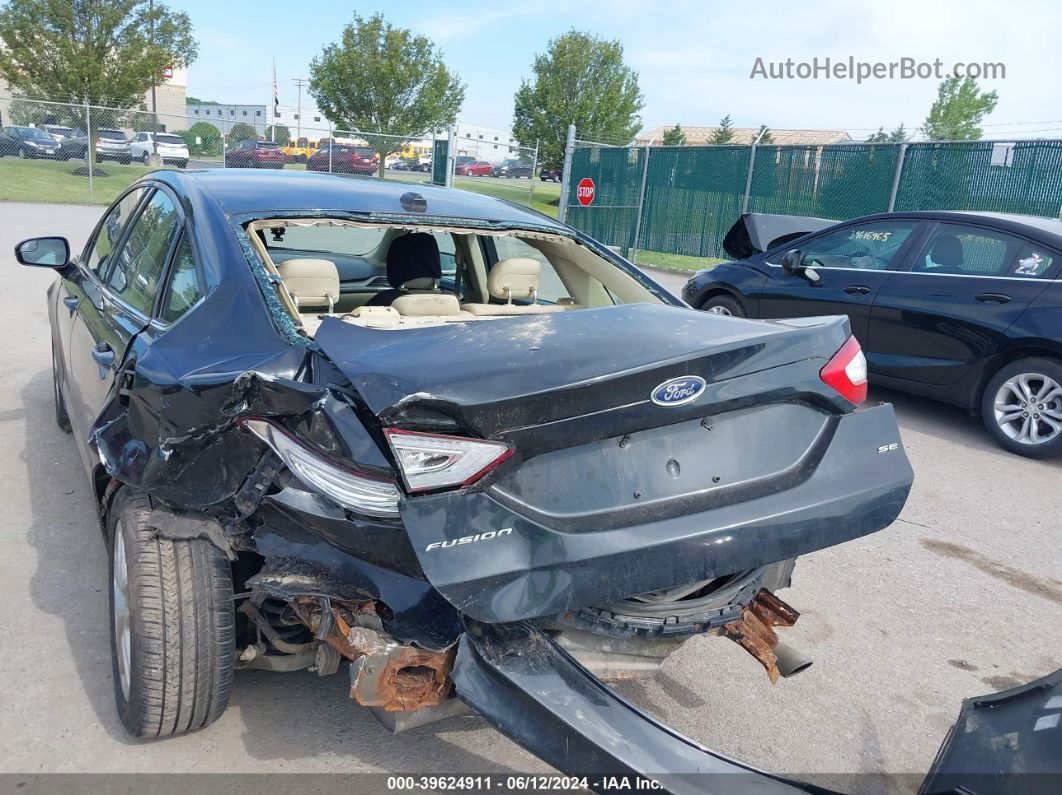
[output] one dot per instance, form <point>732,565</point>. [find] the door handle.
<point>71,303</point>
<point>993,298</point>
<point>103,354</point>
<point>857,289</point>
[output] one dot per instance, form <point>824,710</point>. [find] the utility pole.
<point>154,105</point>
<point>300,82</point>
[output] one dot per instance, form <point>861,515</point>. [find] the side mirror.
<point>791,261</point>
<point>43,252</point>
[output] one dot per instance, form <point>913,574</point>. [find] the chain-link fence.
<point>89,153</point>
<point>671,202</point>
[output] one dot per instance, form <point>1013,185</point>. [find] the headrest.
<point>413,256</point>
<point>313,282</point>
<point>514,278</point>
<point>947,251</point>
<point>427,304</point>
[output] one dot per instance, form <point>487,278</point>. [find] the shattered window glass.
<point>139,264</point>
<point>110,232</point>
<point>184,291</point>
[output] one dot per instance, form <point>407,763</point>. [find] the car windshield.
<point>112,135</point>
<point>350,240</point>
<point>364,151</point>
<point>169,139</point>
<point>59,130</point>
<point>36,134</point>
<point>266,145</point>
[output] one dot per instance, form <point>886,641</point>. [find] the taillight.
<point>355,491</point>
<point>435,461</point>
<point>846,371</point>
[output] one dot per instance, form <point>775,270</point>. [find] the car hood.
<point>753,233</point>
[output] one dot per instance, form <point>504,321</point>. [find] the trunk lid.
<point>609,492</point>
<point>504,378</point>
<point>754,233</point>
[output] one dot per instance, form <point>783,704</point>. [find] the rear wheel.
<point>1022,407</point>
<point>723,305</point>
<point>172,624</point>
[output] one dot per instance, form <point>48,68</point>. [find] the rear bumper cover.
<point>499,566</point>
<point>538,696</point>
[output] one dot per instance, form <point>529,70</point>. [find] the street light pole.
<point>300,82</point>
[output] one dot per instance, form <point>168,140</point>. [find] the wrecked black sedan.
<point>449,440</point>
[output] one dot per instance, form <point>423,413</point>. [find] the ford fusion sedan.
<point>456,488</point>
<point>958,306</point>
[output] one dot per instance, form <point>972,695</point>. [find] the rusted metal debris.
<point>384,673</point>
<point>754,631</point>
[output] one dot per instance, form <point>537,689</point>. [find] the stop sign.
<point>585,190</point>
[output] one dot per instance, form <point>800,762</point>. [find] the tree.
<point>278,133</point>
<point>724,133</point>
<point>675,136</point>
<point>381,79</point>
<point>241,131</point>
<point>958,110</point>
<point>203,139</point>
<point>198,101</point>
<point>103,52</point>
<point>580,80</point>
<point>897,135</point>
<point>764,134</point>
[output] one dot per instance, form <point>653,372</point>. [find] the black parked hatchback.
<point>962,307</point>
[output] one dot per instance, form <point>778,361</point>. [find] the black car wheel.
<point>723,305</point>
<point>1022,407</point>
<point>24,154</point>
<point>62,419</point>
<point>145,158</point>
<point>172,624</point>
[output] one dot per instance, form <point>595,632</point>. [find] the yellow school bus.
<point>301,149</point>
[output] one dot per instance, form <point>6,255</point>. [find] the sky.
<point>694,59</point>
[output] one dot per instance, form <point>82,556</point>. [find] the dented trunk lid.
<point>608,493</point>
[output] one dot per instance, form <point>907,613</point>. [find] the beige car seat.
<point>514,278</point>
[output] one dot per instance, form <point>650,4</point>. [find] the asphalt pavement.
<point>961,596</point>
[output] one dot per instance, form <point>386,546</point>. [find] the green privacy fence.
<point>683,199</point>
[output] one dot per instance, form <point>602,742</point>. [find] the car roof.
<point>240,191</point>
<point>1046,230</point>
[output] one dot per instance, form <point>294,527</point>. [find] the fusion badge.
<point>456,542</point>
<point>678,391</point>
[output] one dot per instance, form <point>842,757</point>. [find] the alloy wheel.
<point>719,310</point>
<point>123,640</point>
<point>1028,408</point>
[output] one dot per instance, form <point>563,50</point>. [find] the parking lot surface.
<point>960,597</point>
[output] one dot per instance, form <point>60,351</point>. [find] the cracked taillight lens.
<point>436,461</point>
<point>352,490</point>
<point>846,371</point>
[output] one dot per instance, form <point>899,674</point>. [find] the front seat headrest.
<point>413,256</point>
<point>947,251</point>
<point>516,277</point>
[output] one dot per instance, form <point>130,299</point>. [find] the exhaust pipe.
<point>790,661</point>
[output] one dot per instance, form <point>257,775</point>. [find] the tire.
<point>62,419</point>
<point>145,158</point>
<point>172,624</point>
<point>720,304</point>
<point>1029,392</point>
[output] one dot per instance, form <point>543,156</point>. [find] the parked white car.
<point>172,148</point>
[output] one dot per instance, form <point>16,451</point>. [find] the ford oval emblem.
<point>679,391</point>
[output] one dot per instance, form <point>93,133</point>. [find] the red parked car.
<point>344,159</point>
<point>477,168</point>
<point>255,154</point>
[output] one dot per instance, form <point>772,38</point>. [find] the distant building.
<point>697,136</point>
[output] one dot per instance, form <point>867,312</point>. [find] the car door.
<point>967,285</point>
<point>852,261</point>
<point>117,303</point>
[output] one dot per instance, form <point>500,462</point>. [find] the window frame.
<point>86,253</point>
<point>183,233</point>
<point>1051,274</point>
<point>903,253</point>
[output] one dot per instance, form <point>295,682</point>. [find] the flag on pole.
<point>276,91</point>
